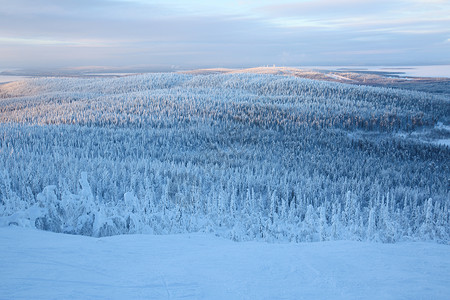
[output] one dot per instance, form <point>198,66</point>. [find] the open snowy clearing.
<point>44,265</point>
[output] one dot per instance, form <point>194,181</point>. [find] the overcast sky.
<point>215,33</point>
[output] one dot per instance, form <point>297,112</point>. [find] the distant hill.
<point>439,85</point>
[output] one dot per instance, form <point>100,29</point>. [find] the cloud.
<point>329,7</point>
<point>366,52</point>
<point>220,33</point>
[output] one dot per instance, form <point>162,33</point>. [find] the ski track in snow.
<point>43,265</point>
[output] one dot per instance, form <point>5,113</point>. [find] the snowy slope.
<point>43,265</point>
<point>246,156</point>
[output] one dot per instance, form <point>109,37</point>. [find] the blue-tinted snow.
<point>43,265</point>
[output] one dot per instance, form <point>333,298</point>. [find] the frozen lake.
<point>9,78</point>
<point>413,71</point>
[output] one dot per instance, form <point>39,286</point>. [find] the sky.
<point>78,34</point>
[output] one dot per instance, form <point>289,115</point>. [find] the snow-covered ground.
<point>44,265</point>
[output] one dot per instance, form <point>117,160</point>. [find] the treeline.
<point>255,100</point>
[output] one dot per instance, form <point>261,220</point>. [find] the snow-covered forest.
<point>244,156</point>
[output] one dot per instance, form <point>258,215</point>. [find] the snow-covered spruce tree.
<point>245,156</point>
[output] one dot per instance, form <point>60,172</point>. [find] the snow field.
<point>44,265</point>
